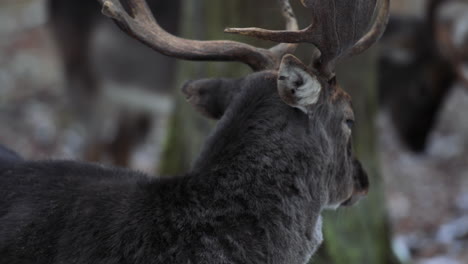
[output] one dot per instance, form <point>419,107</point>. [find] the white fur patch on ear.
<point>297,87</point>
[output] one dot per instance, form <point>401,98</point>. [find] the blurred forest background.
<point>73,86</point>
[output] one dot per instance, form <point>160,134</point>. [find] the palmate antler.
<point>140,23</point>
<point>338,29</point>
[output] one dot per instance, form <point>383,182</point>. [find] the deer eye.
<point>350,123</point>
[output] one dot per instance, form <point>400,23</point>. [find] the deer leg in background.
<point>73,23</point>
<point>133,125</point>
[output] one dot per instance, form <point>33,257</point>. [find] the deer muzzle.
<point>361,184</point>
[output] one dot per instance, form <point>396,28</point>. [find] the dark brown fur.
<point>414,79</point>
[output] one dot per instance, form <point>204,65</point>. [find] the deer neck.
<point>268,157</point>
<point>264,178</point>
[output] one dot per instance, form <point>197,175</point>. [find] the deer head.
<point>419,61</point>
<point>414,79</point>
<point>286,117</point>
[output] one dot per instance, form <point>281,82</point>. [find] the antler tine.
<point>286,36</point>
<point>143,26</point>
<point>291,24</point>
<point>290,35</point>
<point>376,31</point>
<point>288,14</point>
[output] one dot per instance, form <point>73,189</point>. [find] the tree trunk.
<point>361,234</point>
<point>204,19</point>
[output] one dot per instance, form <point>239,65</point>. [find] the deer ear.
<point>211,97</point>
<point>296,85</point>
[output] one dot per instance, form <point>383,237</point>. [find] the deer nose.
<point>361,180</point>
<point>361,188</point>
<point>361,185</point>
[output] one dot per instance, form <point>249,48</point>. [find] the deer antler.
<point>140,23</point>
<point>291,24</point>
<point>337,29</point>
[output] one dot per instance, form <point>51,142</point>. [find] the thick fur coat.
<point>255,193</point>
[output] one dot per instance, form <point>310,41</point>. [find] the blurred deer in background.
<point>74,24</point>
<point>280,154</point>
<point>418,66</point>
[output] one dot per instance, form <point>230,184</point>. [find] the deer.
<point>413,80</point>
<point>74,25</point>
<point>280,154</point>
<point>418,66</point>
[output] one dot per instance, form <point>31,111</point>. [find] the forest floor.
<point>427,193</point>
